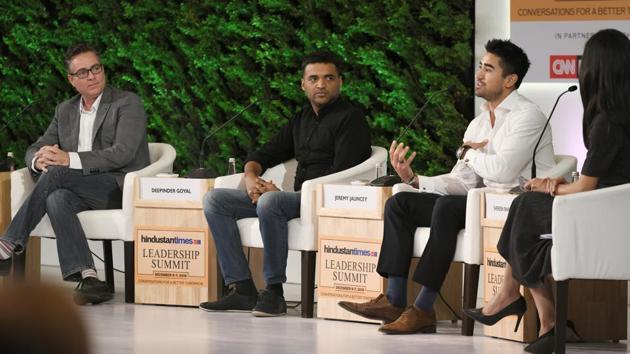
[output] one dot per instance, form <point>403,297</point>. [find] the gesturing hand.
<point>399,160</point>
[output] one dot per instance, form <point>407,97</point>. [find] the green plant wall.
<point>196,63</point>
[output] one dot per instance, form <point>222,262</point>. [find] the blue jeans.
<point>223,207</point>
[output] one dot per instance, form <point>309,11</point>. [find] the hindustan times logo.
<point>174,240</point>
<point>350,251</point>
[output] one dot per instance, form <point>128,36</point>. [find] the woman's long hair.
<point>604,78</point>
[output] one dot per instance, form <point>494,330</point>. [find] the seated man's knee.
<point>58,199</point>
<point>396,204</point>
<point>213,200</point>
<point>268,204</point>
<point>447,205</point>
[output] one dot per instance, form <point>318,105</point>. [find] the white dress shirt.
<point>86,128</point>
<point>508,154</point>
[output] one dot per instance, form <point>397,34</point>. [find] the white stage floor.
<point>117,327</point>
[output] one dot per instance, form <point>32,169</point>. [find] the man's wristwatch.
<point>461,152</point>
<point>411,180</point>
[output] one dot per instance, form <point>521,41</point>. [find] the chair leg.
<point>19,267</point>
<point>471,281</point>
<point>562,296</point>
<point>109,264</point>
<point>308,283</point>
<point>130,285</point>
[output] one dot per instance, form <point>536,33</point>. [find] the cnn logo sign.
<point>564,66</point>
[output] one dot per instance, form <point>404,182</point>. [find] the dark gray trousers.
<point>62,193</point>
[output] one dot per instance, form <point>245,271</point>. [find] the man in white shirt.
<point>80,162</point>
<point>497,149</point>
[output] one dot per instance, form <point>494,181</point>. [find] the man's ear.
<point>302,84</point>
<point>511,80</point>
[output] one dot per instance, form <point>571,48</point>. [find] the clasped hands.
<point>257,186</point>
<point>545,185</point>
<point>51,155</point>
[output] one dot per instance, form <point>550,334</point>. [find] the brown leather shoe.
<point>413,320</point>
<point>378,309</point>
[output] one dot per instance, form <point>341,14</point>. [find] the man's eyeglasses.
<point>83,73</point>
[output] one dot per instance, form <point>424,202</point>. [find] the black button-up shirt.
<point>336,139</point>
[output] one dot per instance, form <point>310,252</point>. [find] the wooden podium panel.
<point>597,308</point>
<point>349,246</point>
<point>175,254</point>
<point>33,250</point>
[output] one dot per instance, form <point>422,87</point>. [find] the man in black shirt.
<point>327,136</point>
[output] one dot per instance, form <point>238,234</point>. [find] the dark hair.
<point>512,58</point>
<point>604,77</point>
<point>77,49</point>
<point>323,57</point>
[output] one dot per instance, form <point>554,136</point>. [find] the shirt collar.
<point>328,108</point>
<point>506,105</point>
<point>94,105</point>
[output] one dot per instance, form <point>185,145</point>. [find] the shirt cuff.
<point>33,168</point>
<point>75,161</point>
<point>470,156</point>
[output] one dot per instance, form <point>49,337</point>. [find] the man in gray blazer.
<point>80,162</point>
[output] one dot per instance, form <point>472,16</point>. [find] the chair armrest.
<point>235,181</point>
<point>590,235</point>
<point>22,184</point>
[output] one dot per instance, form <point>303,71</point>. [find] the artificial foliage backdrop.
<point>197,63</point>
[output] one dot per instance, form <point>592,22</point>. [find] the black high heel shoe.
<point>517,308</point>
<point>544,344</point>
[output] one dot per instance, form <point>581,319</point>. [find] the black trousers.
<point>404,212</point>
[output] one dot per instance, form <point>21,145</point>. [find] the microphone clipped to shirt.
<point>203,172</point>
<point>386,181</point>
<point>533,171</point>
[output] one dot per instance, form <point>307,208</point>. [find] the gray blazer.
<point>119,140</point>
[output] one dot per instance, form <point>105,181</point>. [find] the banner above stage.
<point>553,32</point>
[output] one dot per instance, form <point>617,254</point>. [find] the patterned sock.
<point>6,249</point>
<point>426,299</point>
<point>397,291</point>
<point>276,288</point>
<point>87,273</point>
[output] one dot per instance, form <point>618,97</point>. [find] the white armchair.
<point>469,248</point>
<point>590,241</point>
<point>105,225</point>
<point>302,230</point>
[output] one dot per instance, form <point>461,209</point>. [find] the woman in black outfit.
<point>604,78</point>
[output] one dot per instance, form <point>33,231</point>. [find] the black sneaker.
<point>92,291</point>
<point>233,301</point>
<point>270,304</point>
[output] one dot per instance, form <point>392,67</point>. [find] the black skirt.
<point>520,243</point>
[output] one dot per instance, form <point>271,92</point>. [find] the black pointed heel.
<point>517,308</point>
<point>544,344</point>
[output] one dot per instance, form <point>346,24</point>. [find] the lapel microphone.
<point>570,89</point>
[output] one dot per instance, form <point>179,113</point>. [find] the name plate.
<point>351,197</point>
<point>183,189</point>
<point>498,205</point>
